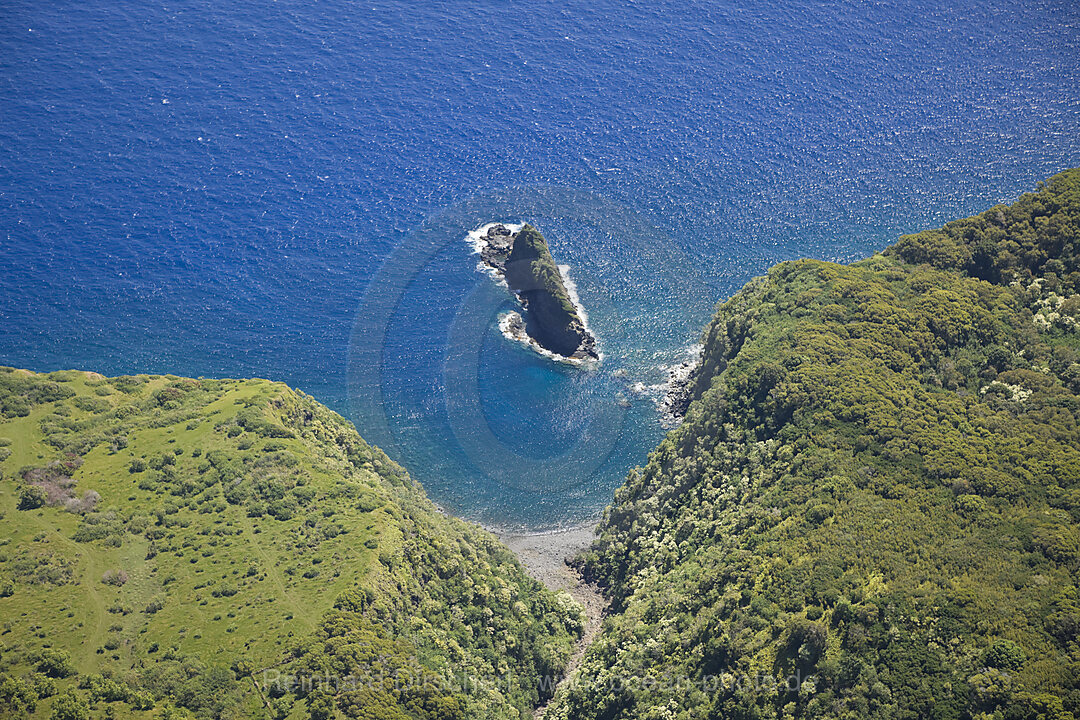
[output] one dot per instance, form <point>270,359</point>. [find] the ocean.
<point>284,190</point>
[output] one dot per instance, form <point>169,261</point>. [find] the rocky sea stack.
<point>551,319</point>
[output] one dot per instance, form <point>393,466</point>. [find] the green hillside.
<point>871,508</point>
<point>165,543</point>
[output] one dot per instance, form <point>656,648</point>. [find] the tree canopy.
<point>871,507</point>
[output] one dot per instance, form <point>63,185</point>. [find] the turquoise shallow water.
<point>282,190</point>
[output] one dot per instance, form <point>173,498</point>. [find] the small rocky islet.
<point>550,318</point>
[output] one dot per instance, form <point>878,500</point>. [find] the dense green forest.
<point>871,509</point>
<point>167,543</point>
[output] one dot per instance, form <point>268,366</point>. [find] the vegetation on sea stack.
<point>531,267</point>
<point>550,316</point>
<point>871,509</point>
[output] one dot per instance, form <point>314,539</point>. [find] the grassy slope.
<point>878,489</point>
<point>256,529</point>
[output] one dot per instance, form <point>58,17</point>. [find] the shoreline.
<point>572,293</point>
<point>672,397</point>
<point>512,327</point>
<point>544,553</point>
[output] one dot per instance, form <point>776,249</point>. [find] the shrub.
<point>367,503</point>
<point>70,706</point>
<point>224,590</point>
<point>54,663</point>
<point>44,686</point>
<point>31,497</point>
<point>91,404</point>
<point>17,697</point>
<point>114,577</point>
<point>166,395</point>
<point>104,689</point>
<point>283,509</point>
<point>970,505</point>
<point>141,700</point>
<point>162,460</point>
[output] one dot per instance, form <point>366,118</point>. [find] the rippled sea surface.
<point>282,189</point>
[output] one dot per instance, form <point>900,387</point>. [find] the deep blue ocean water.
<point>281,189</point>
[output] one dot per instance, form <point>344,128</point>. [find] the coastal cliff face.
<point>872,506</point>
<point>168,541</point>
<point>524,261</point>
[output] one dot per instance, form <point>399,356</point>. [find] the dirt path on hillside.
<point>544,557</point>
